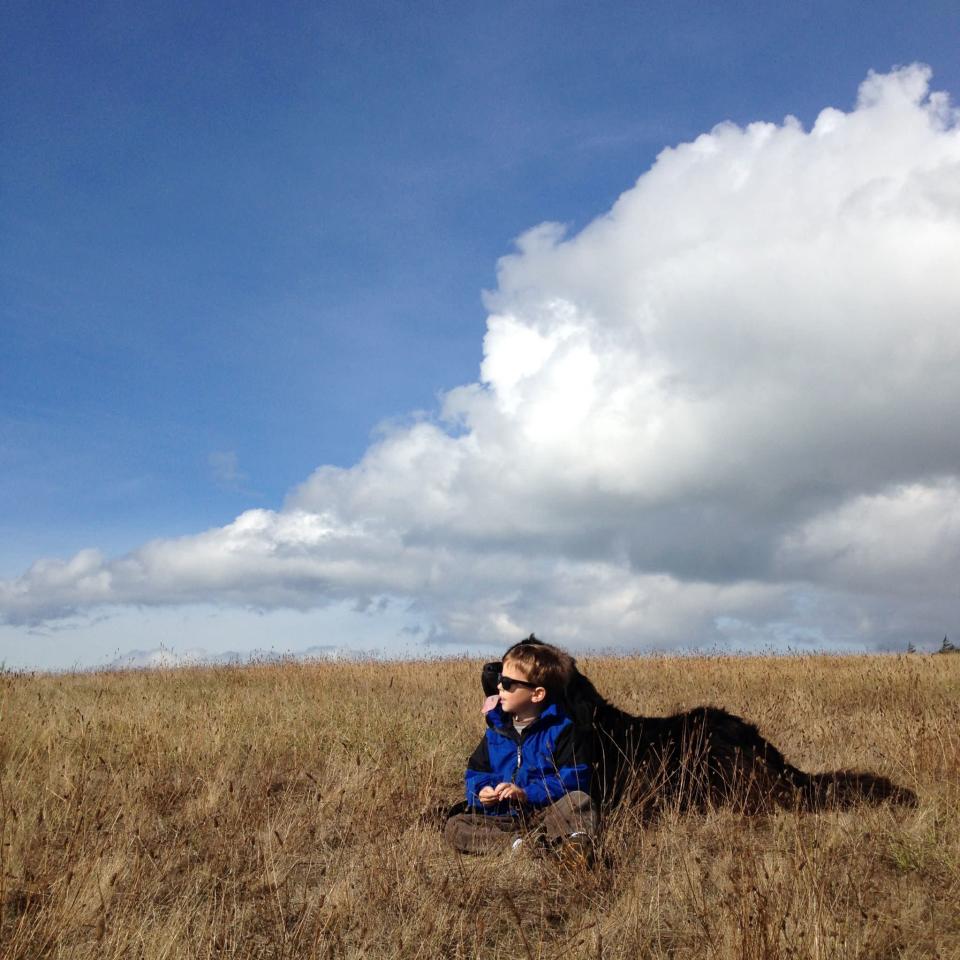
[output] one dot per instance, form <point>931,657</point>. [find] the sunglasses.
<point>508,683</point>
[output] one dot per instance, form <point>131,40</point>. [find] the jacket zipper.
<point>513,779</point>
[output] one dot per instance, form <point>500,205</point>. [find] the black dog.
<point>703,757</point>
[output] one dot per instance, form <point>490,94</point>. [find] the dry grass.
<point>272,811</point>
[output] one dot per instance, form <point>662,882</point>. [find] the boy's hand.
<point>488,796</point>
<point>510,791</point>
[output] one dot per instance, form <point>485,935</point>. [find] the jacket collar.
<point>497,718</point>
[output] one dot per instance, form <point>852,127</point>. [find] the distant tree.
<point>947,647</point>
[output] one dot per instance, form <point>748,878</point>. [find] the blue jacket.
<point>551,758</point>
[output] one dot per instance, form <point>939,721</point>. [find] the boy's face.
<point>521,700</point>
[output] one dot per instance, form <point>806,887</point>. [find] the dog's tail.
<point>844,788</point>
<point>816,791</point>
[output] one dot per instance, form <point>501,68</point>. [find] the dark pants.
<point>482,833</point>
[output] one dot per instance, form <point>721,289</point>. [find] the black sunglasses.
<point>508,683</point>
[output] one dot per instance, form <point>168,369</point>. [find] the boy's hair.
<point>545,665</point>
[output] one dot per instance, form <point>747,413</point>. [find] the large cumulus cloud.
<point>722,412</point>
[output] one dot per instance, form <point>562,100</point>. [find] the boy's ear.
<point>539,695</point>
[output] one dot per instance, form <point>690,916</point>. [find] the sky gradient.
<point>253,395</point>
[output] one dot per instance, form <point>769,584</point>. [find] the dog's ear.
<point>489,677</point>
<point>581,699</point>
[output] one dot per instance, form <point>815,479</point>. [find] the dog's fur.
<point>700,758</point>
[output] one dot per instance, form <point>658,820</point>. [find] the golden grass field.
<point>275,811</point>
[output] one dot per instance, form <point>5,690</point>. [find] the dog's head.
<point>489,676</point>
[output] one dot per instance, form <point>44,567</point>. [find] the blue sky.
<point>243,243</point>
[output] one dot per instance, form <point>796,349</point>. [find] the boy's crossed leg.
<point>572,816</point>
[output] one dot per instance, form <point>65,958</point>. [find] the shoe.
<point>531,845</point>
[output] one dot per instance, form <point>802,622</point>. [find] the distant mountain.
<point>163,658</point>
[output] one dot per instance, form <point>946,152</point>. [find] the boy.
<point>531,771</point>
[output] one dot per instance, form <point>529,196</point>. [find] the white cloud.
<point>723,409</point>
<point>904,542</point>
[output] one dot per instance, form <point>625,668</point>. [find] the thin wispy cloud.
<point>720,413</point>
<point>225,472</point>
